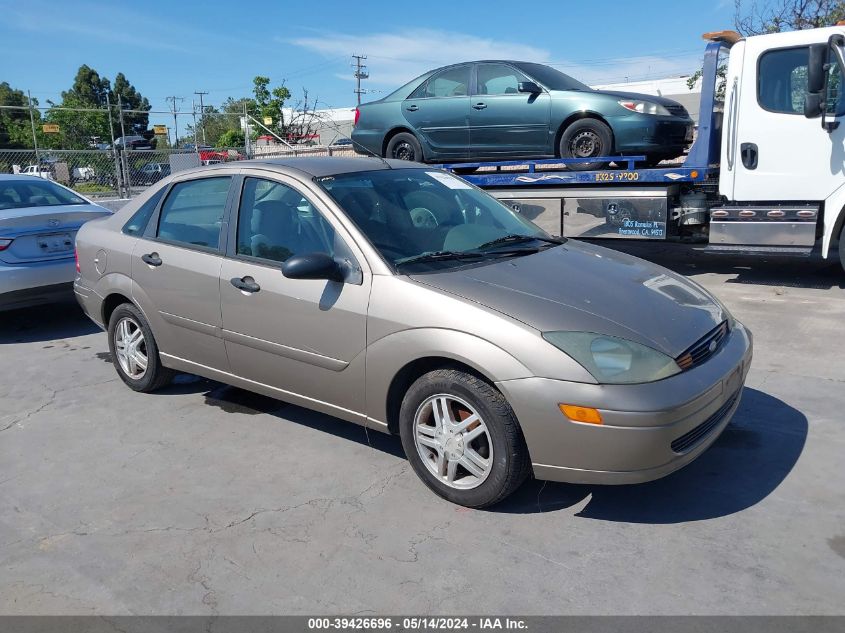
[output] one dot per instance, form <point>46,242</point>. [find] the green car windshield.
<point>427,218</point>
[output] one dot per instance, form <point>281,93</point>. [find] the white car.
<point>36,170</point>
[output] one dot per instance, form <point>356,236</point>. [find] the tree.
<point>775,16</point>
<point>124,92</point>
<point>15,127</point>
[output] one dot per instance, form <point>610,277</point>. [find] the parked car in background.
<point>494,110</point>
<point>342,142</point>
<point>38,223</point>
<point>151,173</point>
<point>135,142</point>
<point>288,277</point>
<point>42,171</point>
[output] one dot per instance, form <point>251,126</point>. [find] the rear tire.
<point>404,146</point>
<point>476,466</point>
<point>586,138</point>
<point>134,351</point>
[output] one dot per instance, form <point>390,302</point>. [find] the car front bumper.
<point>640,422</point>
<point>658,135</point>
<point>23,285</point>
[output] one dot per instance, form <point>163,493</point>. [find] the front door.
<point>438,111</point>
<point>305,337</point>
<point>176,271</point>
<point>504,121</point>
<point>776,153</point>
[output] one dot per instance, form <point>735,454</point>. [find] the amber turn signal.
<point>575,413</point>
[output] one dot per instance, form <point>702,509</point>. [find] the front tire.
<point>404,146</point>
<point>134,351</point>
<point>586,138</point>
<point>462,438</point>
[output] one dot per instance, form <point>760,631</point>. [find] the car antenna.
<point>367,150</point>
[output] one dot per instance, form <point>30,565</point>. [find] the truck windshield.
<point>427,218</point>
<point>551,78</point>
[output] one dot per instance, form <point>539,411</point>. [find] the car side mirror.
<point>816,68</point>
<point>813,105</point>
<point>529,87</point>
<point>312,266</point>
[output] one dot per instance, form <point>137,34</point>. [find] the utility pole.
<point>174,110</point>
<point>360,73</point>
<point>124,160</point>
<point>32,123</point>
<point>202,115</point>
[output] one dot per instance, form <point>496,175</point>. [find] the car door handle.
<point>748,152</point>
<point>152,259</point>
<point>247,284</point>
<point>480,106</point>
<point>412,108</point>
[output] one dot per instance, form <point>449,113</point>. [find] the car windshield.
<point>17,194</point>
<point>427,219</point>
<point>551,78</point>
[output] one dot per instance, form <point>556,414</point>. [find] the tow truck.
<point>763,177</point>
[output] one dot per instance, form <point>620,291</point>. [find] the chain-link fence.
<point>106,153</point>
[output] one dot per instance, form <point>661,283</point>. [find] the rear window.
<point>17,194</point>
<point>192,213</point>
<point>138,222</point>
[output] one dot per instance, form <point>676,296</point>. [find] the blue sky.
<point>179,46</point>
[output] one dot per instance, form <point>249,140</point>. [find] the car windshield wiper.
<point>436,256</point>
<point>513,239</point>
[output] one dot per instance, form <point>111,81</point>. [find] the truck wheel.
<point>462,438</point>
<point>404,146</point>
<point>842,248</point>
<point>586,138</point>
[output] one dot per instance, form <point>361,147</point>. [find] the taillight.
<point>5,243</point>
<point>76,259</point>
<point>357,116</point>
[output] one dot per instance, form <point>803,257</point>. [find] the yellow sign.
<point>268,120</point>
<point>160,130</point>
<point>50,128</point>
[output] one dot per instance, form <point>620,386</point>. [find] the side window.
<point>498,79</point>
<point>782,80</point>
<point>453,82</point>
<point>139,220</point>
<point>276,222</point>
<point>193,211</point>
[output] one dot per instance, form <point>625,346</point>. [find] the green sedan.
<point>497,110</point>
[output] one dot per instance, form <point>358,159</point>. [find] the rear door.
<point>303,336</point>
<point>439,112</point>
<point>504,121</point>
<point>176,270</point>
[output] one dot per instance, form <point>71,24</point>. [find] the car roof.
<point>319,166</point>
<point>7,177</point>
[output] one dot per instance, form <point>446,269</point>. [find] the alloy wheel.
<point>131,348</point>
<point>453,441</point>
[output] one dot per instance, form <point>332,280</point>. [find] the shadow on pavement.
<point>45,323</point>
<point>749,460</point>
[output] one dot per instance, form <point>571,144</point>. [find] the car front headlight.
<point>612,360</point>
<point>644,107</point>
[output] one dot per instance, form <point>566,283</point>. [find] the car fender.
<point>388,355</point>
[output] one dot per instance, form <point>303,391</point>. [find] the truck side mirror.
<point>816,72</point>
<point>813,105</point>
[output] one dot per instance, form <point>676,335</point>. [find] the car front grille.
<point>692,438</point>
<point>708,345</point>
